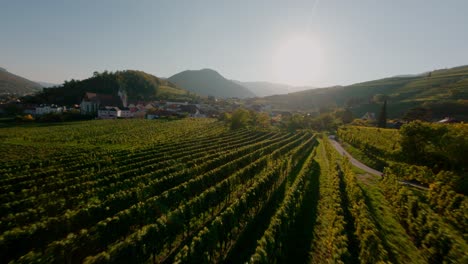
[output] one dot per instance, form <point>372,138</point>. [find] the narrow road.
<point>354,161</point>
<point>366,168</point>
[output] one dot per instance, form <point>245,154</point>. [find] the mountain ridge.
<point>265,88</point>
<point>15,84</point>
<point>209,82</point>
<point>444,92</point>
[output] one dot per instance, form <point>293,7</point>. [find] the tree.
<point>345,115</point>
<point>382,121</point>
<point>296,121</point>
<point>261,120</point>
<point>13,109</point>
<point>240,119</point>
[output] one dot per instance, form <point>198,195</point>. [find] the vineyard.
<point>193,191</point>
<point>421,149</point>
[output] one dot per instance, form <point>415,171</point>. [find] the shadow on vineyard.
<point>353,245</point>
<point>245,245</point>
<point>300,237</point>
<point>373,212</point>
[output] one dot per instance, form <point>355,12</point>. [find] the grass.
<point>357,170</point>
<point>399,245</point>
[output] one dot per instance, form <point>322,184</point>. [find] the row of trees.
<point>327,120</point>
<point>242,118</point>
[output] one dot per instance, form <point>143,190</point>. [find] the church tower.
<point>123,97</point>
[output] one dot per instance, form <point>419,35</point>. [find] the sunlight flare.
<point>297,60</point>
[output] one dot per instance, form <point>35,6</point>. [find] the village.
<point>108,106</point>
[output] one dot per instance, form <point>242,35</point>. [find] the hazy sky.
<point>316,43</point>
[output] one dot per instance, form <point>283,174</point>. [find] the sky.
<point>315,42</point>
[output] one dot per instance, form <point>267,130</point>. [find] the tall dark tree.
<point>382,121</point>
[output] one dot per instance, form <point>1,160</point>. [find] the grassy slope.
<point>449,87</point>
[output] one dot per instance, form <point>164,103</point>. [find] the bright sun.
<point>297,61</point>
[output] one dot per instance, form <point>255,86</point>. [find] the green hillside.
<point>443,92</point>
<point>209,82</point>
<point>14,84</point>
<point>138,85</point>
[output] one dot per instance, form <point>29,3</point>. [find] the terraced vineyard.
<point>194,192</point>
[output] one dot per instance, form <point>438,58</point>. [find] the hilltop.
<point>14,84</point>
<point>137,84</point>
<point>209,82</point>
<point>442,92</point>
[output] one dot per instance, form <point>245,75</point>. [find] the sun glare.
<point>297,60</point>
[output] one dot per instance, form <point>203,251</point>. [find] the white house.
<point>176,103</point>
<point>47,109</point>
<point>369,116</point>
<point>108,112</point>
<point>29,111</point>
<point>125,112</point>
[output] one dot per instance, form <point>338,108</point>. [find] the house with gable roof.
<point>92,102</point>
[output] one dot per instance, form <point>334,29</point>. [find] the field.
<point>193,191</point>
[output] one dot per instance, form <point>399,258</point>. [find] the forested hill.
<point>11,83</point>
<point>209,82</point>
<point>138,85</point>
<point>440,93</point>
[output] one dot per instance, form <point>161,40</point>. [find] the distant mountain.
<point>138,85</point>
<point>47,85</point>
<point>267,88</point>
<point>209,82</point>
<point>264,88</point>
<point>442,92</point>
<point>11,83</point>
